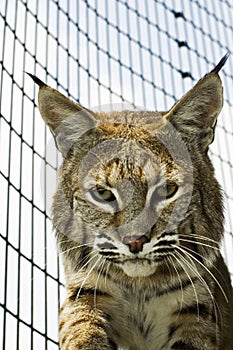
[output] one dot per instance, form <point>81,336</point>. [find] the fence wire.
<point>100,53</point>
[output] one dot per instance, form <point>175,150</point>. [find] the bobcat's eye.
<point>166,191</point>
<point>102,195</point>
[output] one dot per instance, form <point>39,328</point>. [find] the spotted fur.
<point>138,217</point>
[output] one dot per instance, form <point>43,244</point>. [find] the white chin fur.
<point>138,269</point>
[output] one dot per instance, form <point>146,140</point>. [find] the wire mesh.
<point>145,53</point>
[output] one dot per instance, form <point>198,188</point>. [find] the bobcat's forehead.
<point>117,170</point>
<point>114,158</point>
<point>128,149</point>
<point>132,118</point>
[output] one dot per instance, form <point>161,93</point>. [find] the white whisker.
<point>88,274</point>
<point>209,272</point>
<point>190,235</point>
<point>106,272</point>
<point>202,280</point>
<point>178,275</point>
<point>71,248</point>
<point>199,243</point>
<point>88,259</point>
<point>97,280</point>
<point>194,288</point>
<point>204,258</point>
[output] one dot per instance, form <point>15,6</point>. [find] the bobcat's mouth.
<point>138,267</point>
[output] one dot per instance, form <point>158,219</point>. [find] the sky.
<point>102,54</point>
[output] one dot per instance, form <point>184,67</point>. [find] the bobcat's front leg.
<point>197,335</point>
<point>82,326</point>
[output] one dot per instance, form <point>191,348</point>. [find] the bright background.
<point>146,53</point>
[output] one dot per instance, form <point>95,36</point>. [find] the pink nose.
<point>135,243</point>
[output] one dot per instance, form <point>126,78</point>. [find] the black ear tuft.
<point>67,120</point>
<point>221,63</point>
<point>195,114</point>
<point>36,80</point>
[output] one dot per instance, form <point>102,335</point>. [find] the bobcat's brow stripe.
<point>84,255</point>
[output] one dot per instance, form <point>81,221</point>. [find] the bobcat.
<point>138,217</point>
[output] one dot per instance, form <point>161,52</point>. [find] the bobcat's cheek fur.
<point>138,217</point>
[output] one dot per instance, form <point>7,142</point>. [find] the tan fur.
<point>143,270</point>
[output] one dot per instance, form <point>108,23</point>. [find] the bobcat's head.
<point>136,188</point>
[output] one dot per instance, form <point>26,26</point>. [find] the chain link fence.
<point>143,53</point>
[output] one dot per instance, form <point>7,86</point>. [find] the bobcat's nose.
<point>135,243</point>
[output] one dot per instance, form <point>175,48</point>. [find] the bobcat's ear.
<point>195,114</point>
<point>66,119</point>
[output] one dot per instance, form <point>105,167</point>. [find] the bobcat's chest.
<point>143,324</point>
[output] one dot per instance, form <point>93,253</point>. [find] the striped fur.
<point>138,217</point>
